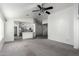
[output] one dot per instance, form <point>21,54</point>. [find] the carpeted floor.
<point>37,47</point>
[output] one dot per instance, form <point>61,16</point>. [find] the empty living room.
<point>39,29</point>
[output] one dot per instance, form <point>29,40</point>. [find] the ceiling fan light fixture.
<point>43,9</point>
<point>39,14</point>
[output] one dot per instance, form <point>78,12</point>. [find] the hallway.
<point>37,47</point>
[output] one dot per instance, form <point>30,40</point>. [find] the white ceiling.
<point>21,10</point>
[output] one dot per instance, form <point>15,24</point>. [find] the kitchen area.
<point>23,30</point>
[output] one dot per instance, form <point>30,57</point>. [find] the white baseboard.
<point>59,41</point>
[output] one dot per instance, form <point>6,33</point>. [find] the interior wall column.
<point>76,27</point>
<point>18,29</point>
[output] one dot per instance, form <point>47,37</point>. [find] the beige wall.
<point>60,26</point>
<point>2,35</point>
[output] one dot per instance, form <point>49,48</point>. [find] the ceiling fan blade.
<point>39,6</point>
<point>48,8</point>
<point>47,12</point>
<point>35,10</point>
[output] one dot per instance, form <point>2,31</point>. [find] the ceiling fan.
<point>43,9</point>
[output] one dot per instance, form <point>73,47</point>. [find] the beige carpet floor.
<point>38,47</point>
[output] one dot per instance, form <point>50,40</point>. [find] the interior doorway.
<point>45,30</point>
<point>17,31</point>
<point>42,31</point>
